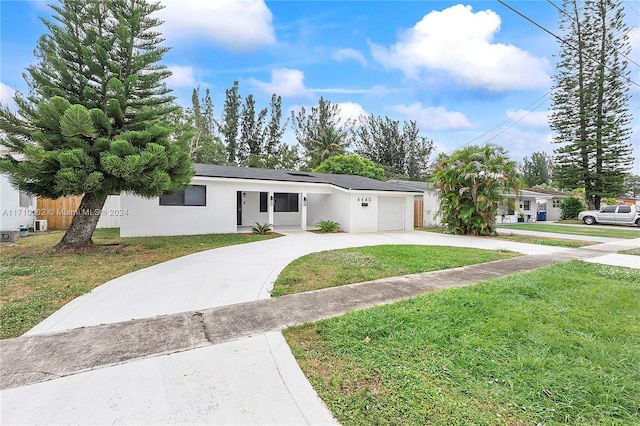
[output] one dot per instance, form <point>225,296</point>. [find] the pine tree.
<point>230,122</point>
<point>92,124</point>
<point>274,149</point>
<point>251,143</point>
<point>537,169</point>
<point>400,149</point>
<point>590,100</point>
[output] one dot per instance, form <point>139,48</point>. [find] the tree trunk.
<point>84,222</point>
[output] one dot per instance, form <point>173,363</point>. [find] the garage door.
<point>390,213</point>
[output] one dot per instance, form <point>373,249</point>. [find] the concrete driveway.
<point>253,380</point>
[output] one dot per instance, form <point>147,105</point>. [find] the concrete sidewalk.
<point>222,364</point>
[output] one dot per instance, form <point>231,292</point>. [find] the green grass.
<point>635,251</point>
<point>34,282</point>
<point>623,232</point>
<point>544,241</point>
<point>555,346</point>
<point>339,267</point>
<point>527,239</point>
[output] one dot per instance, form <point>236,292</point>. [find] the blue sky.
<point>466,72</point>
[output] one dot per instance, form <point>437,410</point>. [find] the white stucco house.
<point>531,202</point>
<point>428,200</point>
<point>16,207</point>
<point>223,199</point>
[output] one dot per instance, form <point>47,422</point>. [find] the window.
<point>624,209</point>
<point>556,203</point>
<point>194,195</point>
<point>285,202</point>
<point>527,204</point>
<point>263,201</point>
<point>609,209</point>
<point>25,199</point>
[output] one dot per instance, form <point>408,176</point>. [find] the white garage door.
<point>390,213</point>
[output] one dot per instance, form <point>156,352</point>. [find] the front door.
<point>239,207</point>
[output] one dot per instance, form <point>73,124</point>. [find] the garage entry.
<point>390,213</point>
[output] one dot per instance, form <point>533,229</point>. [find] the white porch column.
<point>271,202</point>
<point>303,211</point>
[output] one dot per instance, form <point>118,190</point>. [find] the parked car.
<point>614,215</point>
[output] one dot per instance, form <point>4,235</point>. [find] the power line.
<point>560,39</point>
<point>628,3</point>
<point>540,101</point>
<point>518,120</point>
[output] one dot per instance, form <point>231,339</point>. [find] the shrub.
<point>328,226</point>
<point>570,207</point>
<point>261,229</point>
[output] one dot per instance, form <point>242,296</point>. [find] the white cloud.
<point>433,118</point>
<point>634,41</point>
<point>234,25</point>
<point>288,83</point>
<point>351,111</point>
<point>460,44</point>
<point>536,119</point>
<point>181,76</point>
<point>350,54</point>
<point>6,97</point>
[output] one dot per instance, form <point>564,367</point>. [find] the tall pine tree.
<point>590,100</point>
<point>92,124</point>
<point>230,122</point>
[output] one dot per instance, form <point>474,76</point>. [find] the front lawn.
<point>35,282</point>
<point>624,232</point>
<point>339,267</point>
<point>558,345</point>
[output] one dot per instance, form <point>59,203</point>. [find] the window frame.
<point>24,199</point>
<point>183,199</point>
<point>286,202</point>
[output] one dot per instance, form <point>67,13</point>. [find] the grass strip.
<point>339,267</point>
<point>623,232</point>
<point>558,345</point>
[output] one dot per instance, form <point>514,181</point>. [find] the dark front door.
<point>239,204</point>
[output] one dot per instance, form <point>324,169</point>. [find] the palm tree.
<point>329,143</point>
<point>472,183</point>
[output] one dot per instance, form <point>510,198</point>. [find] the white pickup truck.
<point>614,215</point>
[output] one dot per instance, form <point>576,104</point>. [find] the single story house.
<point>533,204</point>
<point>224,199</point>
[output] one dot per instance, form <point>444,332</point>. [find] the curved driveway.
<point>253,380</point>
<point>228,275</point>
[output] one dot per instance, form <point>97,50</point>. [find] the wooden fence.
<point>59,212</point>
<point>418,213</point>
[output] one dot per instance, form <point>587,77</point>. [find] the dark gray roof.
<point>357,183</point>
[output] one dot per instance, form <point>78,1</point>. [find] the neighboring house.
<point>628,200</point>
<point>427,204</point>
<point>223,199</point>
<point>530,203</point>
<point>16,207</point>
